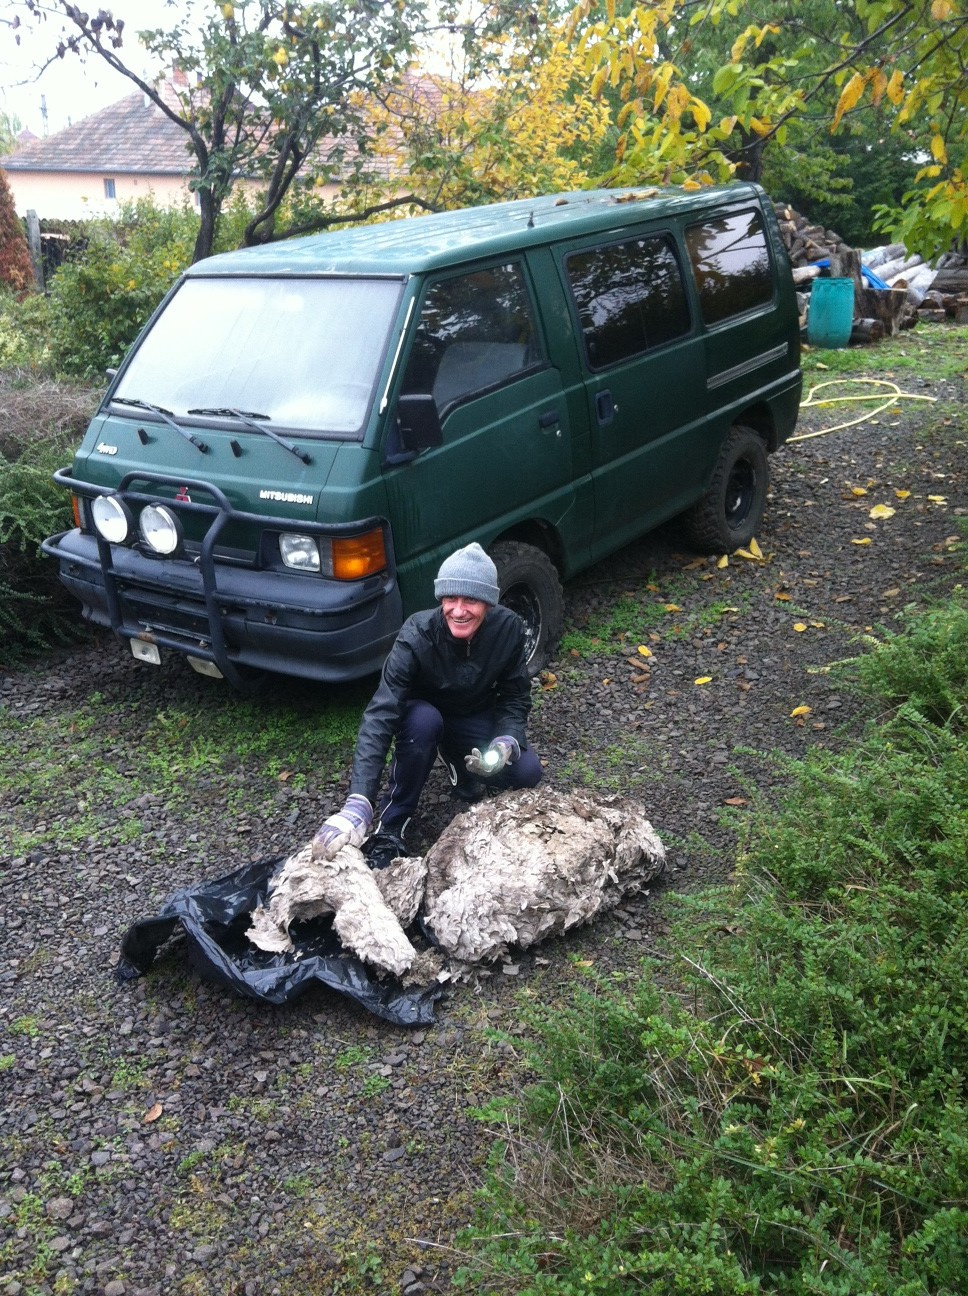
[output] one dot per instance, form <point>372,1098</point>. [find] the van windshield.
<point>305,353</point>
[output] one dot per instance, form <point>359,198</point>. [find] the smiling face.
<point>463,615</point>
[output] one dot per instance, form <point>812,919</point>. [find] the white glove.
<point>347,828</point>
<point>499,753</point>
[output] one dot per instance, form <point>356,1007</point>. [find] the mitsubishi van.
<point>304,431</point>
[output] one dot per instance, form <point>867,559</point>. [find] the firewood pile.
<point>934,292</point>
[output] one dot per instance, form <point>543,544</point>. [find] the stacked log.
<point>917,290</point>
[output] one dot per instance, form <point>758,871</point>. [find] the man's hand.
<point>494,758</point>
<point>347,828</point>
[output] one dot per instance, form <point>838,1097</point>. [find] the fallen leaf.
<point>723,562</point>
<point>704,679</point>
<point>672,607</point>
<point>784,598</point>
<point>696,562</point>
<point>865,541</point>
<point>285,775</point>
<point>891,593</point>
<point>607,680</point>
<point>800,711</point>
<point>938,499</point>
<point>799,627</point>
<point>755,549</point>
<point>153,1113</point>
<point>818,625</point>
<point>644,651</point>
<point>641,679</point>
<point>653,589</point>
<point>549,680</point>
<point>903,494</point>
<point>882,511</point>
<point>736,801</point>
<point>858,491</point>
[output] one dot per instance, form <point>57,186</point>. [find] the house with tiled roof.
<point>127,151</point>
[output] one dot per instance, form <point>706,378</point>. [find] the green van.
<point>304,431</point>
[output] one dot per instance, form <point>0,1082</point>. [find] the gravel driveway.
<point>164,1137</point>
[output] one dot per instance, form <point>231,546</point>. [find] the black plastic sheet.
<point>214,917</point>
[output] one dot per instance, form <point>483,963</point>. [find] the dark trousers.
<point>422,731</point>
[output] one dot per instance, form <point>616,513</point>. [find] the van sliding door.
<point>645,382</point>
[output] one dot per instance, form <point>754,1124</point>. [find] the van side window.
<point>630,297</point>
<point>732,265</point>
<point>475,331</point>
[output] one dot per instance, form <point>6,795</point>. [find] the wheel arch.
<point>537,533</point>
<point>759,419</point>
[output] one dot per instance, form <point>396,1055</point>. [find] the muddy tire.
<point>729,514</point>
<point>530,586</point>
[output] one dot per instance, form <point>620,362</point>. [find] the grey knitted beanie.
<point>468,573</point>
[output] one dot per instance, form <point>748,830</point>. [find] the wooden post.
<point>33,244</point>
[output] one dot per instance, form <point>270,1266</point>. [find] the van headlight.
<point>160,529</point>
<point>300,552</point>
<point>112,518</point>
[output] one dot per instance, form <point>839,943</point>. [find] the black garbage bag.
<point>214,918</point>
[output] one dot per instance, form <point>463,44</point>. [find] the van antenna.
<point>531,221</point>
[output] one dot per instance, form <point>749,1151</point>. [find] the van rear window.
<point>303,353</point>
<point>732,265</point>
<point>630,298</point>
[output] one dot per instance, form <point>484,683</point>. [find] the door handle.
<point>604,407</point>
<point>549,418</point>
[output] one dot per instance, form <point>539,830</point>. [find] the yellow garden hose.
<point>895,394</point>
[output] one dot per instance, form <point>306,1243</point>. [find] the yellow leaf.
<point>903,494</point>
<point>645,652</point>
<point>800,711</point>
<point>723,562</point>
<point>784,598</point>
<point>938,150</point>
<point>228,12</point>
<point>941,9</point>
<point>882,511</point>
<point>755,549</point>
<point>858,491</point>
<point>849,97</point>
<point>704,679</point>
<point>865,541</point>
<point>674,607</point>
<point>799,627</point>
<point>938,499</point>
<point>691,185</point>
<point>895,87</point>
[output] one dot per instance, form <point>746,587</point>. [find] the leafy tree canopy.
<point>705,87</point>
<point>269,85</point>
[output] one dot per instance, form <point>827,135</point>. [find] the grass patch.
<point>935,352</point>
<point>791,1119</point>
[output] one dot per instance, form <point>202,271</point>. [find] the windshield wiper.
<point>249,419</point>
<point>164,414</point>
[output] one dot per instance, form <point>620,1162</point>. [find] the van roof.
<point>418,243</point>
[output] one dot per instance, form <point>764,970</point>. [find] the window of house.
<point>731,263</point>
<point>476,331</point>
<point>109,190</point>
<point>630,297</point>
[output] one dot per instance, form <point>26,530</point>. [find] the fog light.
<point>112,517</point>
<point>300,552</point>
<point>160,529</point>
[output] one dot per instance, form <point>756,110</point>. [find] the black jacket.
<point>459,678</point>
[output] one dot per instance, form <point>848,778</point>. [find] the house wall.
<point>59,195</point>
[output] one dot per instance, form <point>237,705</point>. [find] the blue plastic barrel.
<point>831,313</point>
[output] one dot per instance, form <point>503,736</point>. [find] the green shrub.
<point>41,426</point>
<point>24,327</point>
<point>794,1119</point>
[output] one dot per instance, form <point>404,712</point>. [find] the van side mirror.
<point>418,422</point>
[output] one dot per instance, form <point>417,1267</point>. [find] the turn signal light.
<point>359,556</point>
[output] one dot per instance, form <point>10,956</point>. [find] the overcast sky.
<point>72,89</point>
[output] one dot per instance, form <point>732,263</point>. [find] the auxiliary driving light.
<point>112,517</point>
<point>160,529</point>
<point>300,552</point>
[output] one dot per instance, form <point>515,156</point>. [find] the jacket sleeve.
<point>381,720</point>
<point>512,690</point>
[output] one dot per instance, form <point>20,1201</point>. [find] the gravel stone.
<point>272,1167</point>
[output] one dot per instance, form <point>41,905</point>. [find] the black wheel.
<point>729,514</point>
<point>530,586</point>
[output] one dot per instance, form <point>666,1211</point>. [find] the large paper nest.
<point>510,871</point>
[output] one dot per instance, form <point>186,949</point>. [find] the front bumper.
<point>235,614</point>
